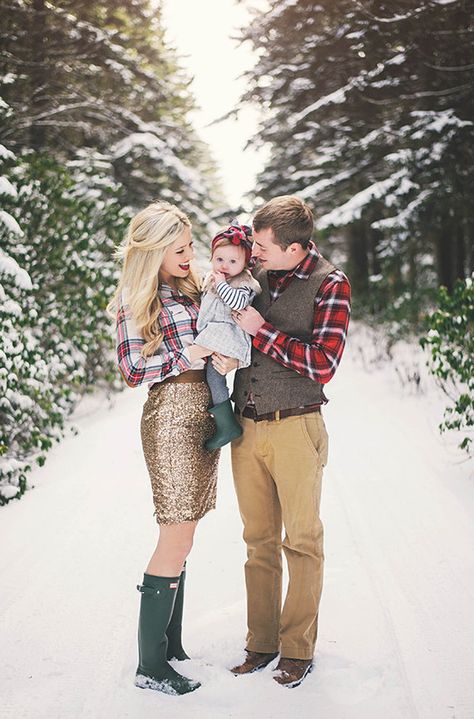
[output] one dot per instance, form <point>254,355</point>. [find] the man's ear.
<point>293,248</point>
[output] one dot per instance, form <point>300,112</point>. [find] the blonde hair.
<point>149,235</point>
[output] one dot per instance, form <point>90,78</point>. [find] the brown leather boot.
<point>253,662</point>
<point>291,672</point>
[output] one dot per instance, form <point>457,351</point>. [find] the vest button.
<point>253,379</point>
<point>245,393</point>
<point>256,364</point>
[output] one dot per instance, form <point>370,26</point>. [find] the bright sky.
<point>201,33</point>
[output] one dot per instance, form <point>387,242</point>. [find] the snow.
<point>9,490</point>
<point>316,187</point>
<point>336,97</point>
<point>6,154</point>
<point>352,209</point>
<point>339,95</point>
<point>6,187</point>
<point>398,59</point>
<point>437,121</point>
<point>9,306</point>
<point>19,400</point>
<point>402,219</point>
<point>11,267</point>
<point>300,84</point>
<point>157,149</point>
<point>373,135</point>
<point>145,139</point>
<point>8,78</point>
<point>10,223</point>
<point>397,603</point>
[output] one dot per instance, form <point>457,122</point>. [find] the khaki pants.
<point>277,470</point>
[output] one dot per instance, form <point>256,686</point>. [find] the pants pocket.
<point>316,435</point>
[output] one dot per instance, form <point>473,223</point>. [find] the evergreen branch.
<point>394,18</point>
<point>459,68</point>
<point>416,95</point>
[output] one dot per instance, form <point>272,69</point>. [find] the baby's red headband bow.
<point>237,234</point>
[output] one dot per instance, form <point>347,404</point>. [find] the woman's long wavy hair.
<point>149,235</point>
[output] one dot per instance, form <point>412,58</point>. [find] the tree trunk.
<point>460,267</point>
<point>444,246</point>
<point>358,257</point>
<point>38,75</point>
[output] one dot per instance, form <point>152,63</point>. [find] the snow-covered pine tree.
<point>97,75</point>
<point>23,370</point>
<point>97,120</point>
<point>368,112</point>
<point>57,275</point>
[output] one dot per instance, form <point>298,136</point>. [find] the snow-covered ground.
<point>396,618</point>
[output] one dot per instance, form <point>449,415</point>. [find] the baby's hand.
<point>218,277</point>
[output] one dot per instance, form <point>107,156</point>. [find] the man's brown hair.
<point>290,219</point>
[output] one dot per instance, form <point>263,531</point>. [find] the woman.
<point>157,302</point>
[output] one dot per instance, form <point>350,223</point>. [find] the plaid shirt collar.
<point>305,267</point>
<point>169,293</point>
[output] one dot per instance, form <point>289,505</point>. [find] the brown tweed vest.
<point>273,386</point>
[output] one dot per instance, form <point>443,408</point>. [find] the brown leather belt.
<point>192,375</point>
<point>250,413</point>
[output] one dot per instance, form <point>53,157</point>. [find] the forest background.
<point>366,112</point>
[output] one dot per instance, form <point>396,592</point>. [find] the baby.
<point>229,286</point>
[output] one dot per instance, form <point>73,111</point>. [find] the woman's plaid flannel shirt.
<point>178,322</point>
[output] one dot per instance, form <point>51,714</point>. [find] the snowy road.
<point>396,619</point>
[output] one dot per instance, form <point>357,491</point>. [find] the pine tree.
<point>57,275</point>
<point>88,75</point>
<point>368,113</point>
<point>95,111</point>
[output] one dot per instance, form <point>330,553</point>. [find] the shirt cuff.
<point>183,362</point>
<point>265,337</point>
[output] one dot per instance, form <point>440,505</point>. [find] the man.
<point>299,325</point>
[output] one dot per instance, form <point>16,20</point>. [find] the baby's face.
<point>229,259</point>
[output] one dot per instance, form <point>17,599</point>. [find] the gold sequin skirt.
<point>174,426</point>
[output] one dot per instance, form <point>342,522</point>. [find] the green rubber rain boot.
<point>175,647</point>
<point>156,607</point>
<point>227,427</point>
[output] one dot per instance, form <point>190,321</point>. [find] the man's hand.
<point>224,364</point>
<point>248,320</point>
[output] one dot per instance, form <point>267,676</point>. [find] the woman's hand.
<point>197,352</point>
<point>224,364</point>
